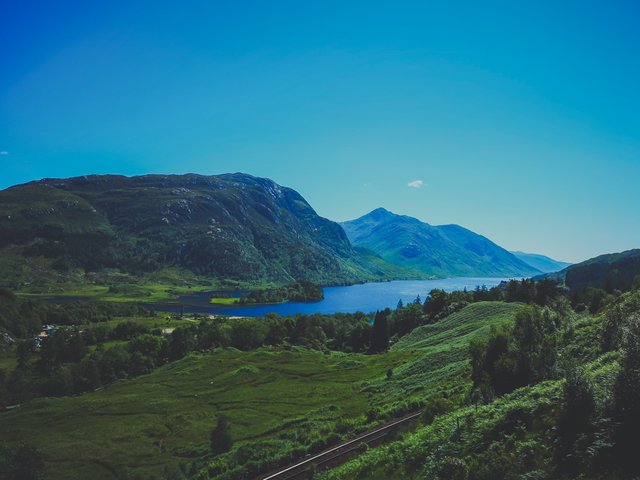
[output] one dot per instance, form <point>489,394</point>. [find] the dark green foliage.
<point>627,398</point>
<point>22,463</point>
<point>294,292</point>
<point>434,407</point>
<point>610,272</point>
<point>436,303</point>
<point>575,420</point>
<point>231,226</point>
<point>522,355</point>
<point>380,332</point>
<point>221,440</point>
<point>452,468</point>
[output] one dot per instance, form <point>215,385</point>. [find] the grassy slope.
<point>443,350</point>
<point>516,431</point>
<point>165,417</point>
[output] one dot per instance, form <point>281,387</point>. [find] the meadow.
<point>155,421</point>
<point>281,403</point>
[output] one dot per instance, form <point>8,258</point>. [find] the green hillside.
<point>163,419</point>
<point>454,330</point>
<point>613,271</point>
<point>105,229</point>
<point>579,422</point>
<point>280,402</point>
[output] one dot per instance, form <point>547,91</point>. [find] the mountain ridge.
<point>234,226</point>
<point>542,262</point>
<point>445,250</point>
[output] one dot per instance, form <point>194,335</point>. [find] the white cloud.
<point>416,184</point>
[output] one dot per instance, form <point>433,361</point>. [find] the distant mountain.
<point>232,226</point>
<point>446,250</point>
<point>613,271</point>
<point>541,262</point>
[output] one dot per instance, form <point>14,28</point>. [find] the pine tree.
<point>380,333</point>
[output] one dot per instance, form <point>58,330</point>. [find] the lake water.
<point>366,297</point>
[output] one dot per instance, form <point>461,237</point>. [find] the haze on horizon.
<point>517,122</point>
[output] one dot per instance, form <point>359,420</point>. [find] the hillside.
<point>281,401</point>
<point>541,262</point>
<point>447,250</point>
<point>232,226</point>
<point>613,271</point>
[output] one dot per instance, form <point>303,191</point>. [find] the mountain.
<point>447,250</point>
<point>541,262</point>
<point>232,226</point>
<point>612,271</point>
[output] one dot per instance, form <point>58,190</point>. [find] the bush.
<point>221,440</point>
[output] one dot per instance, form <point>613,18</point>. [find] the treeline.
<point>389,325</point>
<point>24,317</point>
<point>66,364</point>
<point>294,292</point>
<point>596,424</point>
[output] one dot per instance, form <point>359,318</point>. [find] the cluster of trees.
<point>66,364</point>
<point>513,357</point>
<point>390,325</point>
<point>294,292</point>
<point>596,425</point>
<point>24,462</point>
<point>24,317</point>
<point>599,434</point>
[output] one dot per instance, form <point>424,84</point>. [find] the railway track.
<point>339,454</point>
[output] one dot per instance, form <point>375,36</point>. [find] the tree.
<point>627,399</point>
<point>221,440</point>
<point>23,352</point>
<point>575,418</point>
<point>437,301</point>
<point>380,333</point>
<point>27,463</point>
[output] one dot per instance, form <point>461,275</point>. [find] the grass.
<point>223,301</point>
<point>158,287</point>
<point>164,418</point>
<point>160,420</point>
<point>440,368</point>
<point>159,320</point>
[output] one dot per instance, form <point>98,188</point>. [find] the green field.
<point>163,419</point>
<point>151,422</point>
<point>443,359</point>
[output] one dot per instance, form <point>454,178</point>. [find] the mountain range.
<point>612,271</point>
<point>541,262</point>
<point>231,226</point>
<point>228,226</point>
<point>446,250</point>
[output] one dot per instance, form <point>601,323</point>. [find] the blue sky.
<point>522,122</point>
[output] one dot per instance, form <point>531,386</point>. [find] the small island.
<point>294,292</point>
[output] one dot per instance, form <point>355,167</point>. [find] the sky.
<point>519,122</point>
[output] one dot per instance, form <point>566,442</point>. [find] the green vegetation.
<point>140,237</point>
<point>553,395</point>
<point>224,300</point>
<point>165,418</point>
<point>519,380</point>
<point>294,292</point>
